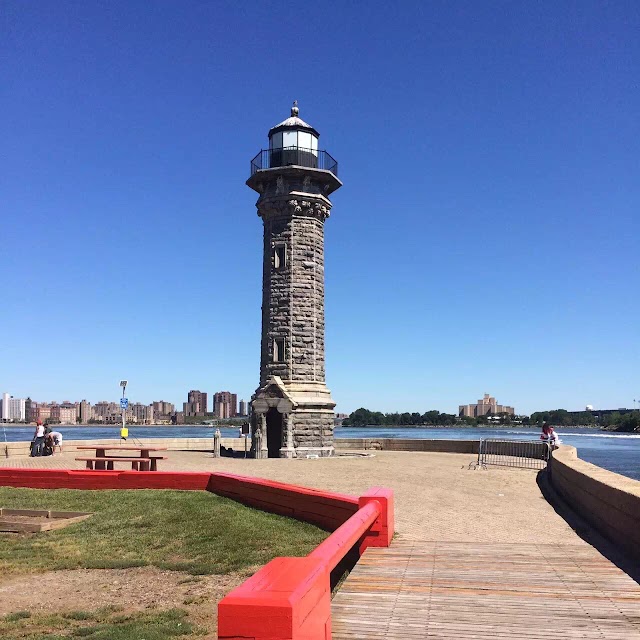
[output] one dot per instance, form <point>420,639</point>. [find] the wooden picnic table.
<point>144,461</point>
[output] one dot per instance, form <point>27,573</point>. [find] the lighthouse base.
<point>292,420</point>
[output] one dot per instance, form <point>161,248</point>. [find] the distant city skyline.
<point>486,237</point>
<point>225,405</point>
<point>484,405</point>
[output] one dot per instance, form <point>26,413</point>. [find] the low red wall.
<point>67,479</point>
<point>322,508</point>
<point>289,598</point>
<point>342,540</point>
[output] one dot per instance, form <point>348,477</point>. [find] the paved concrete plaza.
<point>437,496</point>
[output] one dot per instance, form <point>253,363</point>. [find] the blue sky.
<point>485,240</point>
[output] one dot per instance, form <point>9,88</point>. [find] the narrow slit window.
<point>278,350</point>
<point>279,257</point>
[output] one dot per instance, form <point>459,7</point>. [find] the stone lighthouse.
<point>292,408</point>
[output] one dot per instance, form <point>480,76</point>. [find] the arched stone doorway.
<point>274,432</point>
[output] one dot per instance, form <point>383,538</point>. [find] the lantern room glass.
<point>294,139</point>
<point>275,141</point>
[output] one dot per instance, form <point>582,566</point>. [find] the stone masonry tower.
<point>292,408</point>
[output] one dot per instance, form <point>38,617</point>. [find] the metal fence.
<point>513,453</point>
<point>286,156</point>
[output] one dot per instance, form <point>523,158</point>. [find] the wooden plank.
<point>118,448</point>
<point>69,514</point>
<point>13,526</point>
<point>447,590</point>
<point>25,512</point>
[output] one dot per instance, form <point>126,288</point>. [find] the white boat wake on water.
<point>600,435</point>
<point>578,435</point>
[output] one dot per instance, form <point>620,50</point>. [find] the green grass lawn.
<point>102,624</point>
<point>193,531</point>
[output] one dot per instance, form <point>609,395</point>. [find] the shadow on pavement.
<point>583,529</point>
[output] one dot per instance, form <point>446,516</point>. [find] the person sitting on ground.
<point>38,440</point>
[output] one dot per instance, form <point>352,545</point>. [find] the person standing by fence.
<point>549,436</point>
<point>554,440</point>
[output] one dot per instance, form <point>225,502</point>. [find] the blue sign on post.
<point>124,403</point>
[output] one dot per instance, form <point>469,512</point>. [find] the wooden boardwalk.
<point>499,591</point>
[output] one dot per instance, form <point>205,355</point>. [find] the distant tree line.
<point>622,422</point>
<point>615,421</point>
<point>365,418</point>
<point>562,418</point>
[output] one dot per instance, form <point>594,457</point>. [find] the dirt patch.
<point>134,589</point>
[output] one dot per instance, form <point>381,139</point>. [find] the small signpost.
<point>245,431</point>
<point>124,405</point>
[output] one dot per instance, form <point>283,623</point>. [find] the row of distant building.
<point>225,405</point>
<point>485,406</point>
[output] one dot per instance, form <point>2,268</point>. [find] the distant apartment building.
<point>41,412</point>
<point>243,408</point>
<point>196,404</point>
<point>162,409</point>
<point>64,413</point>
<point>17,409</point>
<point>137,411</point>
<point>140,413</point>
<point>108,412</point>
<point>485,406</point>
<point>4,407</point>
<point>225,404</point>
<point>12,409</point>
<point>85,412</point>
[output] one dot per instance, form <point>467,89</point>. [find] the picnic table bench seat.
<point>137,463</point>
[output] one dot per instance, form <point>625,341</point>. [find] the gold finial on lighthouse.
<point>294,109</point>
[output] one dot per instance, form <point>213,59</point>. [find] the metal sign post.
<point>124,404</point>
<point>246,434</point>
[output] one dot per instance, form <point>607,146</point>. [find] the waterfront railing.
<point>513,453</point>
<point>294,156</point>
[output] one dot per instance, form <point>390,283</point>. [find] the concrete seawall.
<point>608,501</point>
<point>414,444</point>
<point>21,449</point>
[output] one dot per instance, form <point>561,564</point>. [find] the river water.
<point>619,452</point>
